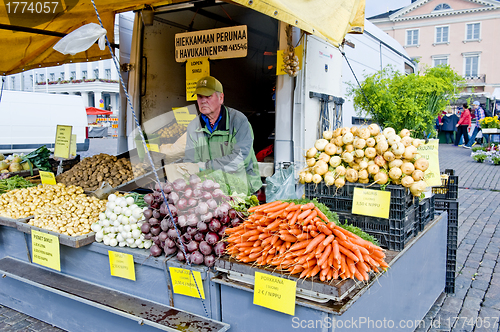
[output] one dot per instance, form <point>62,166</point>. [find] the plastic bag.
<point>82,39</point>
<point>281,185</point>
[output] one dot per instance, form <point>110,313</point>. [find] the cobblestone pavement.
<point>475,305</point>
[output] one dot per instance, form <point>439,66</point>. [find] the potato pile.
<point>366,155</point>
<point>92,171</point>
<point>171,133</point>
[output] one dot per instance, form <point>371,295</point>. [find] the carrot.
<point>336,251</point>
<point>307,206</point>
<point>348,253</point>
<point>266,205</point>
<point>288,237</point>
<point>314,233</point>
<point>335,274</point>
<point>375,269</point>
<point>305,258</point>
<point>331,257</point>
<point>292,207</point>
<point>283,247</point>
<point>253,238</point>
<point>310,216</point>
<point>277,214</point>
<point>312,228</point>
<point>339,234</point>
<point>325,255</point>
<point>300,245</point>
<point>276,208</point>
<point>305,272</point>
<point>244,244</point>
<point>273,225</point>
<point>303,236</point>
<point>250,233</point>
<point>329,239</point>
<point>295,231</point>
<point>254,255</point>
<point>323,229</point>
<point>377,253</point>
<point>331,225</point>
<point>263,236</point>
<point>304,214</point>
<point>315,242</point>
<point>321,214</point>
<point>346,232</point>
<point>362,266</point>
<point>309,263</point>
<point>329,275</point>
<point>323,273</point>
<point>350,265</point>
<point>358,275</point>
<point>232,230</point>
<point>314,271</point>
<point>293,220</point>
<point>345,273</point>
<point>296,269</point>
<point>352,247</point>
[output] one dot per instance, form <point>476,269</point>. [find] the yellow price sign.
<point>45,248</point>
<point>195,69</point>
<point>373,203</point>
<point>153,147</point>
<point>274,293</point>
<point>121,265</point>
<point>182,115</point>
<point>430,151</point>
<point>63,141</point>
<point>184,283</point>
<point>47,177</point>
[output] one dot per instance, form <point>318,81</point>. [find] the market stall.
<point>144,241</point>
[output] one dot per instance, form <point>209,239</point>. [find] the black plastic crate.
<point>451,207</point>
<point>344,205</point>
<point>400,196</point>
<point>426,213</point>
<point>452,237</point>
<point>392,234</point>
<point>448,188</point>
<point>67,164</point>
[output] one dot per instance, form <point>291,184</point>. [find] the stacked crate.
<point>446,197</point>
<point>393,233</point>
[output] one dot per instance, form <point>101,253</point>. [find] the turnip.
<point>389,156</point>
<point>331,149</point>
<point>381,178</point>
<point>335,161</point>
<point>354,130</point>
<point>407,168</point>
<point>370,152</point>
<point>370,142</point>
<point>364,133</point>
<point>394,139</point>
<point>337,132</point>
<point>388,132</point>
<point>308,177</point>
<point>417,175</point>
<point>395,163</point>
<point>374,129</point>
<point>381,147</point>
<point>395,173</point>
<point>359,143</point>
<point>347,157</point>
<point>418,187</point>
<point>324,157</point>
<point>320,144</point>
<point>338,142</point>
<point>407,181</point>
<point>311,162</point>
<point>404,133</point>
<point>373,169</point>
<point>380,161</point>
<point>320,168</point>
<point>351,175</point>
<point>422,164</point>
<point>340,182</point>
<point>329,180</point>
<point>348,138</point>
<point>349,148</point>
<point>340,170</point>
<point>363,174</point>
<point>328,134</point>
<point>316,178</point>
<point>416,142</point>
<point>311,153</point>
<point>406,141</point>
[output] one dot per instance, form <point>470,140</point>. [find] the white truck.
<point>30,119</point>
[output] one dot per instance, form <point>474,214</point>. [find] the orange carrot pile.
<point>301,239</point>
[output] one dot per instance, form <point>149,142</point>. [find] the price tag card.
<point>153,147</point>
<point>45,248</point>
<point>195,69</point>
<point>121,265</point>
<point>63,141</point>
<point>183,282</point>
<point>47,177</point>
<point>274,293</point>
<point>429,151</point>
<point>373,203</point>
<point>182,115</point>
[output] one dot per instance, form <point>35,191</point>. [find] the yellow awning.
<point>20,50</point>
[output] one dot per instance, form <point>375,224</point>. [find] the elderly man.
<point>479,113</point>
<point>221,138</point>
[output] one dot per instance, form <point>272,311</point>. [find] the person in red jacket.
<point>462,126</point>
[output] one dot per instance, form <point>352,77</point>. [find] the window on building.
<point>442,34</point>
<point>472,31</point>
<point>13,83</point>
<point>96,73</point>
<point>107,72</point>
<point>84,74</point>
<point>440,60</point>
<point>31,79</point>
<point>442,6</point>
<point>73,75</point>
<point>52,77</point>
<point>412,37</point>
<point>62,76</point>
<point>42,78</point>
<point>471,65</point>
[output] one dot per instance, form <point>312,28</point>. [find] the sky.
<point>375,7</point>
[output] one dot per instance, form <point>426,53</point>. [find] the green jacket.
<point>229,148</point>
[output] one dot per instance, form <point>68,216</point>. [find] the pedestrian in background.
<point>448,124</point>
<point>462,126</point>
<point>479,114</point>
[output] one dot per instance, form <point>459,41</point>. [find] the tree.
<point>393,99</point>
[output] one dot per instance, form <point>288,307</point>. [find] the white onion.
<point>127,212</point>
<point>137,213</point>
<point>126,228</point>
<point>136,234</point>
<point>122,244</point>
<point>120,238</point>
<point>110,206</point>
<point>102,216</point>
<point>112,198</point>
<point>129,200</point>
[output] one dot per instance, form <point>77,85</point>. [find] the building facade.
<point>464,34</point>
